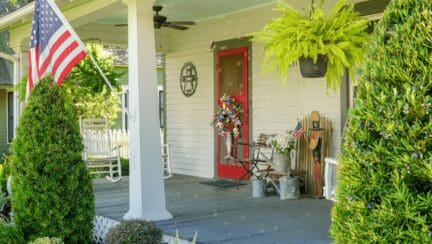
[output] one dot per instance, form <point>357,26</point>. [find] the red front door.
<point>232,79</point>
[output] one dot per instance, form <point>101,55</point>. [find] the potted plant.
<point>325,44</point>
<point>283,144</point>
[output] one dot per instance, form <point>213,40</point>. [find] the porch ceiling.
<point>191,10</point>
<point>200,10</point>
<point>97,19</point>
<point>105,30</point>
<point>175,10</point>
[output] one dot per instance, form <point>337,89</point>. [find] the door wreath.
<point>228,121</point>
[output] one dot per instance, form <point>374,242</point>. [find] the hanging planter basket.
<point>309,69</point>
<point>295,35</point>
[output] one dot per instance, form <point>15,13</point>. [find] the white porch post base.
<point>146,184</point>
<point>148,216</point>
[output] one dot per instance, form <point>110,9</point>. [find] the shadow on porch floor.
<point>225,215</point>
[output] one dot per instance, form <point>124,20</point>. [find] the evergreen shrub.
<point>10,234</point>
<point>124,166</point>
<point>52,190</point>
<point>384,192</point>
<point>134,231</point>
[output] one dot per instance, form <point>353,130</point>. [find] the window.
<point>10,116</point>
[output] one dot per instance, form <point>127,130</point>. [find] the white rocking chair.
<point>100,156</point>
<point>165,150</point>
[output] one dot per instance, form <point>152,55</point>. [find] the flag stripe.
<point>36,62</point>
<point>69,67</point>
<point>65,63</point>
<point>53,39</point>
<point>58,54</point>
<point>63,55</point>
<point>57,43</point>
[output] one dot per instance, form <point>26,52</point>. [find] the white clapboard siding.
<point>275,106</point>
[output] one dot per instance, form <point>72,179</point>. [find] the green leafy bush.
<point>5,171</point>
<point>384,193</point>
<point>87,77</point>
<point>47,240</point>
<point>99,105</point>
<point>5,201</point>
<point>52,191</point>
<point>5,207</point>
<point>91,95</point>
<point>10,234</point>
<point>340,36</point>
<point>125,166</point>
<point>134,231</point>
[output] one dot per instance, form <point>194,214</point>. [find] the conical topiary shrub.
<point>385,176</point>
<point>52,191</point>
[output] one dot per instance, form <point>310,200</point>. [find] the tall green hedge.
<point>385,177</point>
<point>52,190</point>
<point>10,234</point>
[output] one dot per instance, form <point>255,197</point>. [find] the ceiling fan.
<point>160,21</point>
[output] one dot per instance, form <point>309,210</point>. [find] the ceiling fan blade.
<point>182,22</point>
<point>177,27</point>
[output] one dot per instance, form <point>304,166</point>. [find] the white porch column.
<point>146,185</point>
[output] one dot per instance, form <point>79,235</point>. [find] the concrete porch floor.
<point>225,215</point>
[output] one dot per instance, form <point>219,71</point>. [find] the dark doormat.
<point>222,183</point>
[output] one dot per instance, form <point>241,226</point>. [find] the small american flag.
<point>298,131</point>
<point>55,48</point>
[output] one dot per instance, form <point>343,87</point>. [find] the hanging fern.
<point>340,36</point>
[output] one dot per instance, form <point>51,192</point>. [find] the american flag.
<point>55,48</point>
<point>298,131</point>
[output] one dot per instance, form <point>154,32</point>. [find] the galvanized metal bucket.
<point>258,188</point>
<point>289,188</point>
<point>281,162</point>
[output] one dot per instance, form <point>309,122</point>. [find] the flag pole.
<point>101,72</point>
<point>107,81</point>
